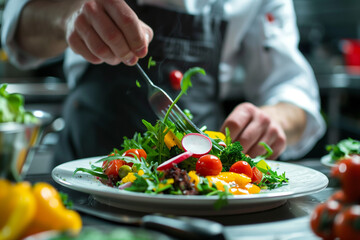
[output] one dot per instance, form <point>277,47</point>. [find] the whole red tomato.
<point>242,167</point>
<point>347,223</point>
<point>322,219</point>
<point>208,165</point>
<point>175,79</point>
<point>256,175</point>
<point>348,172</point>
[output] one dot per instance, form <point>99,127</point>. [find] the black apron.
<point>107,105</point>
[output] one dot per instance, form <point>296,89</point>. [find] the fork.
<point>160,102</point>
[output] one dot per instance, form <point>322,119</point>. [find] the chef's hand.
<point>251,125</point>
<point>108,31</point>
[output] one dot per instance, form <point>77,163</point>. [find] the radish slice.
<point>194,144</point>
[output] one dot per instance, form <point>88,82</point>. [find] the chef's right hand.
<point>108,31</point>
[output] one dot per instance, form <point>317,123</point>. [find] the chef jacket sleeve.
<point>276,71</point>
<point>17,57</point>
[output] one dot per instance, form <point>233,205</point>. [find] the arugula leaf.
<point>273,180</point>
<point>94,173</point>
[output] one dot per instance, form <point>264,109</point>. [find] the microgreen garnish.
<point>151,63</point>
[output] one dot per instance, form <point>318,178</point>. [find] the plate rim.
<point>326,161</point>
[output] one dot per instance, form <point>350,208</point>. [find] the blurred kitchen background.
<point>330,40</point>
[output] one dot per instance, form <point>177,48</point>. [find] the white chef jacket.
<point>260,59</point>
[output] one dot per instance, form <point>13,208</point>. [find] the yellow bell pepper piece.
<point>17,209</point>
<point>171,140</point>
<point>238,191</point>
<point>51,214</point>
<point>252,188</point>
<point>215,135</point>
<point>219,183</point>
<point>240,179</point>
<point>194,178</point>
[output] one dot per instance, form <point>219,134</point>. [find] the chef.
<point>248,49</point>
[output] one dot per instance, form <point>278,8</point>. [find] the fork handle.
<point>145,76</point>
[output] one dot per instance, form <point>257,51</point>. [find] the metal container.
<point>17,144</point>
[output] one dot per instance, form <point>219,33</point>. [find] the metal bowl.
<point>16,145</point>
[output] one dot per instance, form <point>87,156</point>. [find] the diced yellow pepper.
<point>171,140</point>
<point>169,181</point>
<point>215,135</point>
<point>129,178</point>
<point>194,178</point>
<point>238,191</point>
<point>252,188</point>
<point>240,179</point>
<point>219,183</point>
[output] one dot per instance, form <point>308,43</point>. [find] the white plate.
<point>302,181</point>
<point>327,161</point>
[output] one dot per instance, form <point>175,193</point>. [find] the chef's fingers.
<point>275,138</point>
<point>93,41</point>
<point>237,120</point>
<point>254,131</point>
<point>109,33</point>
<point>79,47</point>
<point>137,37</point>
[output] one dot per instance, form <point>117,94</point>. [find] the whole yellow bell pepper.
<point>26,210</point>
<point>17,207</point>
<point>51,214</point>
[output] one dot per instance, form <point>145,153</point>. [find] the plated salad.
<point>167,160</point>
<point>343,149</point>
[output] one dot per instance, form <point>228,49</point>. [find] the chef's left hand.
<point>250,125</point>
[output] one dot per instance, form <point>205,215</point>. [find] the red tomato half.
<point>208,165</point>
<point>256,175</point>
<point>111,169</point>
<point>242,167</point>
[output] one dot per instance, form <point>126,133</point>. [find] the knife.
<point>180,227</point>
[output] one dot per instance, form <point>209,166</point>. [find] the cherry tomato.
<point>346,224</point>
<point>340,197</point>
<point>111,168</point>
<point>139,153</point>
<point>175,79</point>
<point>242,167</point>
<point>322,219</point>
<point>208,165</point>
<point>256,175</point>
<point>348,172</point>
